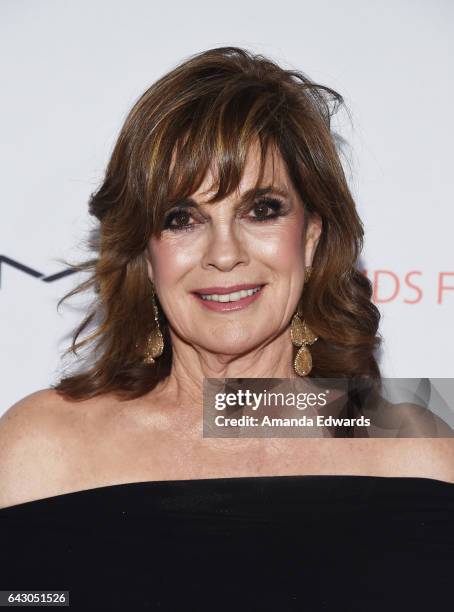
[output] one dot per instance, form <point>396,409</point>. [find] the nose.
<point>225,248</point>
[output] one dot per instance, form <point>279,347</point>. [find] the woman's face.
<point>229,276</point>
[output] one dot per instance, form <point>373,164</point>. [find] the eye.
<point>267,208</point>
<point>178,219</point>
<point>264,209</point>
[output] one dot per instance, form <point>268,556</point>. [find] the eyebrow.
<point>268,190</point>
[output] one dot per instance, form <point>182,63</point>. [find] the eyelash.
<point>273,203</point>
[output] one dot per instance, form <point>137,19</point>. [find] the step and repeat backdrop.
<point>72,70</point>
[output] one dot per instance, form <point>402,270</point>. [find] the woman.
<point>228,241</point>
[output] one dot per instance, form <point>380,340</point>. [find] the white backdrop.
<point>71,70</point>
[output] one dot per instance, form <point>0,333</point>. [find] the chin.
<point>231,345</point>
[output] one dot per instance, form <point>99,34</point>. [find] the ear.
<point>313,232</point>
<point>149,265</point>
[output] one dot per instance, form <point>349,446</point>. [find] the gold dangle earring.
<point>302,336</point>
<point>155,341</point>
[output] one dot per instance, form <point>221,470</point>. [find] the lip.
<point>228,306</point>
<point>224,290</point>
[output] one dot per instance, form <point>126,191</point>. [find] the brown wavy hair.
<point>208,110</point>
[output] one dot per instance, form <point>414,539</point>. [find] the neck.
<point>191,365</point>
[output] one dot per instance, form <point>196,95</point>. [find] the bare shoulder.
<point>35,446</point>
<point>51,445</point>
<point>430,443</point>
<point>440,457</point>
<point>422,457</point>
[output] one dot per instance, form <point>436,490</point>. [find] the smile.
<point>230,297</point>
<point>236,300</point>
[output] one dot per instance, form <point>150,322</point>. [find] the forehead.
<point>274,175</point>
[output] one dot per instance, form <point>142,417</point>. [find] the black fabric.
<point>353,543</point>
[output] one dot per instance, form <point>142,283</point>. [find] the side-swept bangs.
<point>212,131</point>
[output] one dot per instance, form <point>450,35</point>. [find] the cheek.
<point>283,249</point>
<point>170,261</point>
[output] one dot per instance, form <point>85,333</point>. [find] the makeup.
<point>227,299</point>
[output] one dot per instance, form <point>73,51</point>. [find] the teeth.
<point>230,297</point>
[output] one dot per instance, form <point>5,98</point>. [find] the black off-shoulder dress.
<point>281,543</point>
